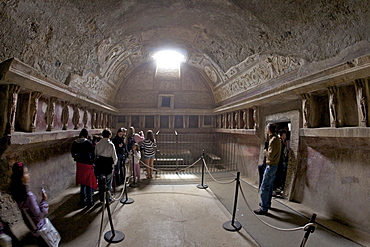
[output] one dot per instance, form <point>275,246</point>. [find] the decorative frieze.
<point>268,68</point>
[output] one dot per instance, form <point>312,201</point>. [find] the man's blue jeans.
<point>86,195</point>
<point>267,186</point>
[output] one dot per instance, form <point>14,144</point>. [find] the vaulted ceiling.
<point>104,41</point>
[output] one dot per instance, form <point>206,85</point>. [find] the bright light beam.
<point>168,59</point>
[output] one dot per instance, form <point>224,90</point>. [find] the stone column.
<point>156,121</point>
<point>50,113</point>
<point>186,121</point>
<point>142,122</point>
<point>306,109</point>
<point>171,124</point>
<point>65,115</point>
<point>333,106</point>
<point>361,102</point>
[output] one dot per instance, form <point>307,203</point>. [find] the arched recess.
<point>142,89</point>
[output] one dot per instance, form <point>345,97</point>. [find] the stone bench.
<point>212,157</point>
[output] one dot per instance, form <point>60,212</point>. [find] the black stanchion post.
<point>309,230</point>
<point>134,184</point>
<point>202,186</point>
<point>112,236</point>
<point>234,225</point>
<point>126,200</point>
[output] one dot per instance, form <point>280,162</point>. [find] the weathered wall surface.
<point>142,88</point>
<point>50,165</point>
<point>334,178</point>
<point>247,155</point>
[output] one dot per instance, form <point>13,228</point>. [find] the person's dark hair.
<point>17,188</point>
<point>83,133</point>
<point>106,133</point>
<point>120,130</point>
<point>272,128</point>
<point>282,131</point>
<point>96,138</point>
<point>149,135</point>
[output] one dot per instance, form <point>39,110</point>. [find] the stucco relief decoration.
<point>266,69</point>
<point>211,74</point>
<point>94,84</point>
<point>108,53</point>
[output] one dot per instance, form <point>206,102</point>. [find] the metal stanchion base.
<point>134,185</point>
<point>200,186</point>
<point>127,200</point>
<point>114,238</point>
<point>230,227</point>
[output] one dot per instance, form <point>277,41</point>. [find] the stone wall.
<point>333,178</point>
<point>143,89</point>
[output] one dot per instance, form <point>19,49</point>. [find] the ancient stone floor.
<point>169,210</point>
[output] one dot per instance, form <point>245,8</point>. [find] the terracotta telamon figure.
<point>245,119</point>
<point>50,113</point>
<point>76,117</point>
<point>33,109</point>
<point>333,105</point>
<point>306,109</point>
<point>12,104</point>
<point>236,120</point>
<point>65,116</point>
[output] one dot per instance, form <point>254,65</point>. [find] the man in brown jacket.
<point>272,160</point>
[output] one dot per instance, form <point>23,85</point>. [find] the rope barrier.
<point>183,169</point>
<point>122,192</point>
<point>205,164</point>
<point>305,227</point>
